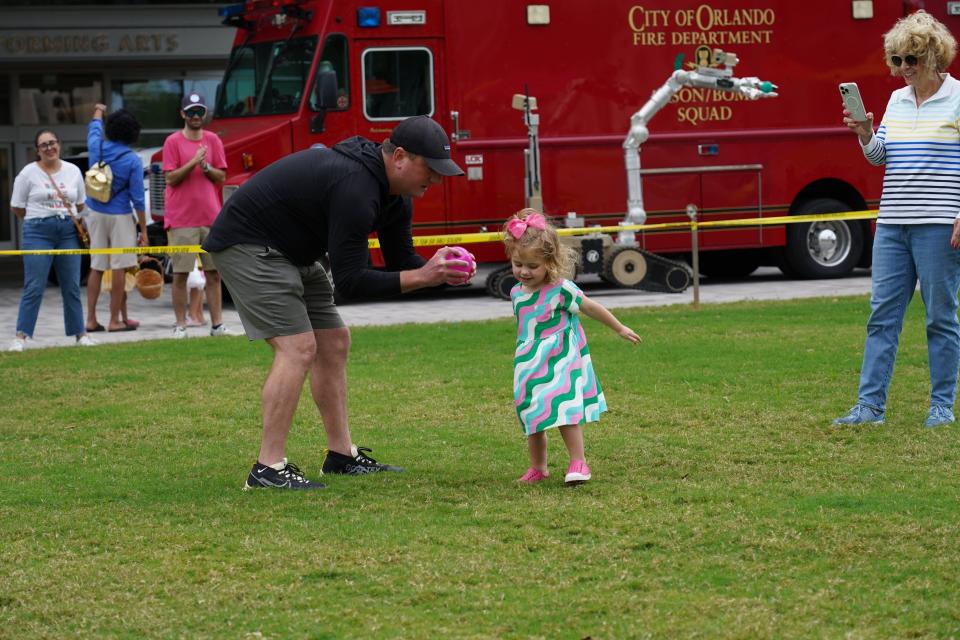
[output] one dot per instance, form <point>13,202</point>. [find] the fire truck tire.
<point>728,264</point>
<point>823,249</point>
<point>625,267</point>
<point>784,266</point>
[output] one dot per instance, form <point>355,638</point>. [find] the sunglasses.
<point>898,60</point>
<point>47,145</point>
<point>196,112</point>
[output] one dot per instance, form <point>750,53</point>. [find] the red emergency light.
<point>235,14</point>
<point>254,5</point>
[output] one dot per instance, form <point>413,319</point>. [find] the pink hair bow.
<point>517,227</point>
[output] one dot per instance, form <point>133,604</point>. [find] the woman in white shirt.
<point>45,194</point>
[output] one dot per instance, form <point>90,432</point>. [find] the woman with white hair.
<point>918,232</point>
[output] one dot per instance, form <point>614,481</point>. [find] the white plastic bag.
<point>196,279</point>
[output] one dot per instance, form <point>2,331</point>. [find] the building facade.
<point>57,61</point>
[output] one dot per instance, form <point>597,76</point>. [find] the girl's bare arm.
<point>600,313</point>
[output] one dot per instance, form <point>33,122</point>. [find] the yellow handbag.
<point>99,182</point>
<point>99,178</point>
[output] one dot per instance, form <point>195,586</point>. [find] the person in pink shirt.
<point>195,166</point>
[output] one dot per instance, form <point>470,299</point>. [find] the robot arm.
<point>703,77</point>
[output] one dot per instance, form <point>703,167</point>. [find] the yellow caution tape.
<point>496,236</point>
<point>195,248</point>
<point>473,238</point>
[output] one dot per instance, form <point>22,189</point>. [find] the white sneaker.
<point>18,344</point>
<point>221,330</point>
<point>179,332</point>
<point>86,341</point>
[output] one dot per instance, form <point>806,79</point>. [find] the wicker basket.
<point>149,283</point>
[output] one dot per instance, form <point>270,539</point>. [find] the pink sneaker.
<point>577,473</point>
<point>533,476</point>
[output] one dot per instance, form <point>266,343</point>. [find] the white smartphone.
<point>852,101</point>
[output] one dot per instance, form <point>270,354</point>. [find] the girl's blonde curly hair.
<point>558,258</point>
<point>921,35</point>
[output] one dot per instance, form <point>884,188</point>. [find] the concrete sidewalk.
<point>470,303</point>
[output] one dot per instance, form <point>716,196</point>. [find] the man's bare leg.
<point>178,295</point>
<point>214,297</point>
<point>292,359</point>
<point>328,384</point>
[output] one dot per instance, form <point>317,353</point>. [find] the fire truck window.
<point>397,83</point>
<point>266,78</point>
<point>334,57</point>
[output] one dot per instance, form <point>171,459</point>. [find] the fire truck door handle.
<point>457,134</point>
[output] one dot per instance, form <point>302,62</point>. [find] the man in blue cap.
<point>195,166</point>
<point>275,243</point>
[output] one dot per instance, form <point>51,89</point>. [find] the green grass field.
<point>723,504</point>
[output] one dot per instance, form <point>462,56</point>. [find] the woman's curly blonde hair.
<point>558,258</point>
<point>920,34</point>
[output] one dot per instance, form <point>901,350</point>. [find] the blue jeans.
<point>50,233</point>
<point>902,254</point>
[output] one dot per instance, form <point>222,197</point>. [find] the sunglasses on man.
<point>898,60</point>
<point>195,112</point>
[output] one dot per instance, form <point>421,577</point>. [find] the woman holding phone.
<point>918,231</point>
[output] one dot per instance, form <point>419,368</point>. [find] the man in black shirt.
<point>270,243</point>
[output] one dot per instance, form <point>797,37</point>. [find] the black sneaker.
<point>290,477</point>
<point>355,465</point>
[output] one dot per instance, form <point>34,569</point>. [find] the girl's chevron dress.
<point>553,379</point>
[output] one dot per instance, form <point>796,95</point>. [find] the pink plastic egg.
<point>459,253</point>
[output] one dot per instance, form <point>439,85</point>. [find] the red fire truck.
<point>590,66</point>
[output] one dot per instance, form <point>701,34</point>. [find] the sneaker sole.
<point>316,485</point>
<point>341,472</point>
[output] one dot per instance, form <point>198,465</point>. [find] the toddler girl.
<point>553,379</point>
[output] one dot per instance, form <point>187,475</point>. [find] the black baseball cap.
<point>193,100</point>
<point>424,137</point>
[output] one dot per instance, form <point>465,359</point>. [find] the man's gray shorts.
<point>275,297</point>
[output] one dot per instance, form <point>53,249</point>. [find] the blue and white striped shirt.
<point>921,148</point>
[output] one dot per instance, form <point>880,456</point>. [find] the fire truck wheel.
<point>625,266</point>
<point>826,249</point>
